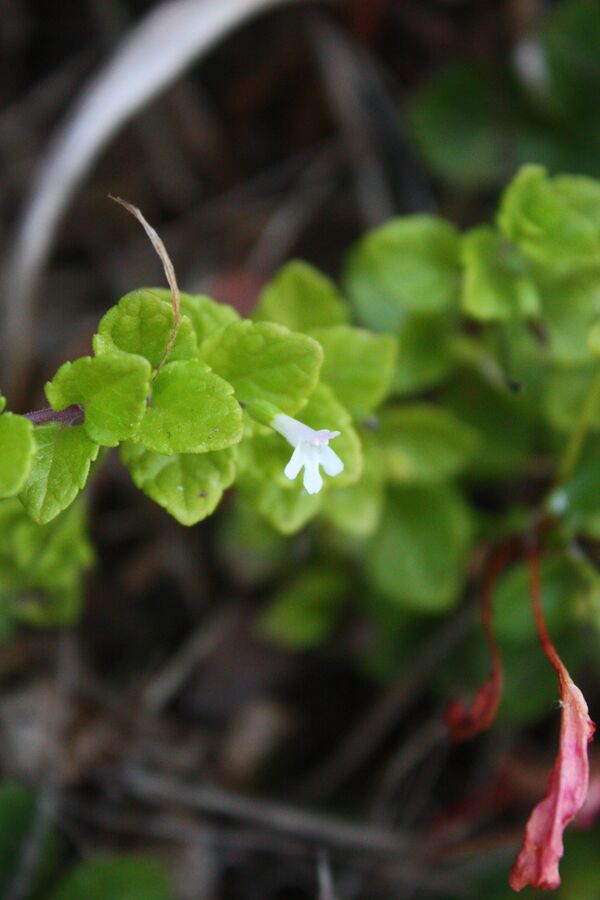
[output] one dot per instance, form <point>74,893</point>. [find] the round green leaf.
<point>423,442</point>
<point>408,265</point>
<point>496,285</point>
<point>112,389</point>
<point>206,315</point>
<point>188,485</point>
<point>141,323</point>
<point>265,362</point>
<point>358,365</point>
<point>554,221</point>
<point>191,411</point>
<point>418,556</point>
<point>301,298</point>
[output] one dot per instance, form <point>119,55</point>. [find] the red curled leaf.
<point>538,858</point>
<point>589,812</point>
<point>466,722</point>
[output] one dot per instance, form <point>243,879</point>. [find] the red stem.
<point>533,561</point>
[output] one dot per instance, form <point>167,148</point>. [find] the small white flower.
<point>311,450</point>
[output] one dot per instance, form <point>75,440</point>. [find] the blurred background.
<point>170,745</point>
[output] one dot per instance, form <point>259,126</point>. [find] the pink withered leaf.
<point>465,722</point>
<point>542,849</point>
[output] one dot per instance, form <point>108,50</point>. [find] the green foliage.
<point>424,443</point>
<point>16,453</point>
<point>555,222</point>
<point>304,613</point>
<point>454,119</point>
<point>265,362</point>
<point>191,411</point>
<point>41,565</point>
<point>453,415</point>
<point>356,509</point>
<point>417,557</point>
<point>59,470</point>
<point>408,265</point>
<point>188,485</point>
<point>120,878</point>
<point>141,324</point>
<point>496,285</point>
<point>286,510</point>
<point>302,299</point>
<point>362,386</point>
<point>424,353</point>
<point>112,390</point>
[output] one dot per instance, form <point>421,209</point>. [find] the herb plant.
<point>439,407</point>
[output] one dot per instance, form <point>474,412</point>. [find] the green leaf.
<point>2,402</point>
<point>418,557</point>
<point>117,878</point>
<point>301,298</point>
<point>17,815</point>
<point>503,422</point>
<point>454,119</point>
<point>206,315</point>
<point>408,265</point>
<point>424,443</point>
<point>554,221</point>
<point>60,469</point>
<point>141,323</point>
<point>111,388</point>
<point>566,391</point>
<point>356,509</point>
<point>41,565</point>
<point>473,122</point>
<point>424,353</point>
<point>188,485</point>
<point>287,511</point>
<point>248,545</point>
<point>561,585</point>
<point>265,362</point>
<point>496,285</point>
<point>358,365</point>
<point>191,411</point>
<point>304,613</point>
<point>570,304</point>
<point>16,453</point>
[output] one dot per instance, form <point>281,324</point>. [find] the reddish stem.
<point>72,415</point>
<point>466,722</point>
<point>533,561</point>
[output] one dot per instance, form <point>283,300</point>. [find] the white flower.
<point>311,450</point>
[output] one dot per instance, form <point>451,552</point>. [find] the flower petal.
<point>330,461</point>
<point>295,464</point>
<point>313,482</point>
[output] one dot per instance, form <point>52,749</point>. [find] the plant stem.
<point>580,432</point>
<point>72,415</point>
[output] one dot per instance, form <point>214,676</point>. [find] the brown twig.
<point>165,259</point>
<point>324,830</point>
